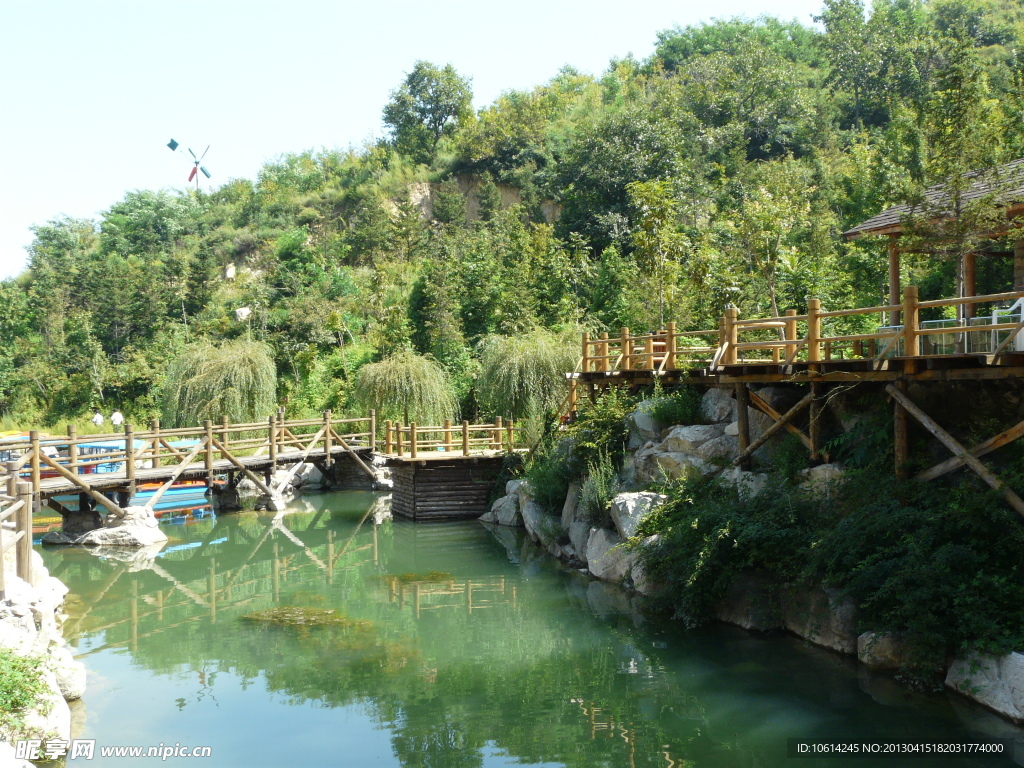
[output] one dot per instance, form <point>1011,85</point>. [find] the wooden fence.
<point>16,529</point>
<point>414,439</point>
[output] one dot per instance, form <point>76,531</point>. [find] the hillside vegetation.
<point>723,169</point>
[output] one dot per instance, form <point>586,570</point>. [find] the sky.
<point>93,91</point>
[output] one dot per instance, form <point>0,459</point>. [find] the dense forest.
<point>722,169</point>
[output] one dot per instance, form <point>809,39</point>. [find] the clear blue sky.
<point>92,91</point>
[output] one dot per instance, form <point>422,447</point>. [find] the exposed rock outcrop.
<point>997,682</point>
<point>629,509</point>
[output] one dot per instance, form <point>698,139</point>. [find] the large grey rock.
<point>642,423</point>
<point>881,651</point>
<point>997,682</point>
<point>822,617</point>
<point>572,503</point>
<point>512,487</point>
<point>641,582</point>
<point>629,509</point>
<point>751,602</point>
<point>138,528</point>
<point>540,526</point>
<point>504,511</point>
<point>653,465</point>
<point>70,674</point>
<point>822,480</point>
<point>579,535</point>
<point>718,405</point>
<point>606,559</point>
<point>689,438</point>
<point>724,447</point>
<point>732,429</point>
<point>749,484</point>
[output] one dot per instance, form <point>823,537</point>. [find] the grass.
<point>21,690</point>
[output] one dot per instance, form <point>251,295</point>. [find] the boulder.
<point>822,480</point>
<point>606,559</point>
<point>996,682</point>
<point>642,424</point>
<point>628,509</point>
<point>749,484</point>
<point>138,528</point>
<point>718,405</point>
<point>722,447</point>
<point>639,574</point>
<point>540,527</point>
<point>751,602</point>
<point>880,651</point>
<point>512,487</point>
<point>70,674</point>
<point>504,511</point>
<point>732,429</point>
<point>822,617</point>
<point>310,476</point>
<point>572,503</point>
<point>653,466</point>
<point>579,535</point>
<point>688,439</point>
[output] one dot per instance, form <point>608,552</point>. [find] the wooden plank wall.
<point>443,490</point>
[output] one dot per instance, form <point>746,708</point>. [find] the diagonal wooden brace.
<point>958,450</point>
<point>1003,438</point>
<point>780,422</point>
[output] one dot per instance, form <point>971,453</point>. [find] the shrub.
<point>407,386</point>
<point>21,689</point>
<point>678,406</point>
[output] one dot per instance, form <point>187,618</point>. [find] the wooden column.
<point>154,427</point>
<point>23,523</point>
<point>496,437</point>
<point>901,450</point>
<point>387,436</point>
<point>33,437</point>
<point>894,278</point>
<point>129,457</point>
<point>731,335</point>
<point>447,435</point>
<point>670,347</point>
<point>743,421</point>
<point>328,461</point>
<point>813,331</point>
<point>585,366</point>
<point>789,332</point>
<point>465,438</point>
<point>373,429</point>
<point>272,438</point>
<point>1018,265</point>
<point>208,457</point>
<point>73,449</point>
<point>412,439</point>
<point>511,431</point>
<point>970,264</point>
<point>627,350</point>
<point>605,363</point>
<point>911,322</point>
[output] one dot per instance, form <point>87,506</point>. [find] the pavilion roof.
<point>1006,180</point>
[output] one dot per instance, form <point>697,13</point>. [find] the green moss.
<point>21,690</point>
<point>304,616</point>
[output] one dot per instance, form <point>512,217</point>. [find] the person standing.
<point>117,419</point>
<point>97,417</point>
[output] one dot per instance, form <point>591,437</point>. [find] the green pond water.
<point>443,645</point>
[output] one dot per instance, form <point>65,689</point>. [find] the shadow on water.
<point>449,644</point>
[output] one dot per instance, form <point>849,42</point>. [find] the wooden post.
<point>373,429</point>
<point>605,363</point>
<point>412,439</point>
<point>208,459</point>
<point>447,435</point>
<point>129,457</point>
<point>789,332</point>
<point>328,460</point>
<point>154,427</point>
<point>574,395</point>
<point>627,350</point>
<point>970,283</point>
<point>670,347</point>
<point>73,448</point>
<point>387,436</point>
<point>12,478</point>
<point>511,435</point>
<point>894,279</point>
<point>911,340</point>
<point>901,443</point>
<point>399,449</point>
<point>272,438</point>
<point>465,438</point>
<point>586,352</point>
<point>648,353</point>
<point>813,331</point>
<point>814,428</point>
<point>731,335</point>
<point>23,523</point>
<point>1018,265</point>
<point>33,437</point>
<point>496,434</point>
<point>743,421</point>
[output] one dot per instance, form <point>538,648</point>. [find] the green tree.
<point>407,386</point>
<point>428,105</point>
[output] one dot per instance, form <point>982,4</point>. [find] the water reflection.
<point>440,645</point>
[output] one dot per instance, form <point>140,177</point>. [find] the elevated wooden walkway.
<point>979,338</point>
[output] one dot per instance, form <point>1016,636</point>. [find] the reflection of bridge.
<point>429,593</point>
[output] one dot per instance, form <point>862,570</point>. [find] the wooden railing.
<point>818,335</point>
<point>16,529</point>
<point>413,439</point>
<point>179,450</point>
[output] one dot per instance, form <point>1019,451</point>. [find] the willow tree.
<point>407,386</point>
<point>523,376</point>
<point>236,379</point>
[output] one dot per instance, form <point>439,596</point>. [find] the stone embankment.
<point>755,601</point>
<point>31,616</point>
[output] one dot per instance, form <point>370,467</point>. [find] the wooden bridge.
<point>889,345</point>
